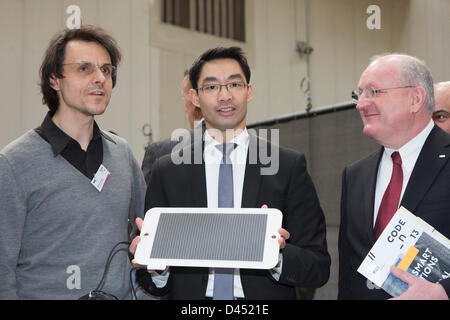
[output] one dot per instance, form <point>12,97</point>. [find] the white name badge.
<point>100,178</point>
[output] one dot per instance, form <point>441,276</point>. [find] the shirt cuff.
<point>160,280</point>
<point>276,272</point>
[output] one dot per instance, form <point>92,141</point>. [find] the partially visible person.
<point>158,149</point>
<point>69,191</point>
<point>441,114</point>
<point>411,169</point>
<point>193,113</point>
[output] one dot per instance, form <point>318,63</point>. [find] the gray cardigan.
<point>56,229</point>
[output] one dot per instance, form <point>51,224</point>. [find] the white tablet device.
<point>205,237</point>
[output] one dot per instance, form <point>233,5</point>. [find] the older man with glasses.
<point>395,101</point>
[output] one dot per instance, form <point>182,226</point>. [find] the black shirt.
<point>87,162</point>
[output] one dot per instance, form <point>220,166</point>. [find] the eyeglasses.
<point>371,93</point>
<point>215,88</point>
<point>88,68</point>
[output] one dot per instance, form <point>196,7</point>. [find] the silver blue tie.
<point>223,277</point>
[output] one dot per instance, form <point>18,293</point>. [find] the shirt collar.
<point>410,151</point>
<point>198,123</point>
<point>241,140</point>
<point>57,138</point>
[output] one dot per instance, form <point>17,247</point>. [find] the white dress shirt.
<point>212,159</point>
<point>409,154</point>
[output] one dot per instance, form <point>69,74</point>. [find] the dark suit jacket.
<point>158,149</point>
<point>306,261</point>
<point>427,195</point>
<point>154,151</point>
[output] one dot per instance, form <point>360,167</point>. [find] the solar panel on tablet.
<point>210,236</point>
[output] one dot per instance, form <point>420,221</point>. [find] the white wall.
<point>344,44</point>
<point>337,31</point>
<point>26,27</point>
<point>156,54</point>
<point>174,49</point>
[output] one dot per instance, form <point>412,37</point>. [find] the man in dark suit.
<point>158,149</point>
<point>395,100</point>
<point>221,89</point>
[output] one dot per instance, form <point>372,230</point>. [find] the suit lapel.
<point>196,172</point>
<point>432,158</point>
<point>198,185</point>
<point>369,201</point>
<point>252,174</point>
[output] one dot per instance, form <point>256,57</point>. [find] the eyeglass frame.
<point>245,85</point>
<point>80,63</point>
<point>374,92</point>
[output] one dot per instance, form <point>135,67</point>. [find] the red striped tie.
<point>391,197</point>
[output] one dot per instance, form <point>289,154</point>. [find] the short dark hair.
<point>235,53</point>
<point>52,64</point>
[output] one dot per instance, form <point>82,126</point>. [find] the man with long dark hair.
<point>68,188</point>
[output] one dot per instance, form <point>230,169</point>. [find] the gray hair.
<point>415,72</point>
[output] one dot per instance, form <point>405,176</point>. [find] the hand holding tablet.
<point>206,237</point>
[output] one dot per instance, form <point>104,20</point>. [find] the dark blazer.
<point>158,149</point>
<point>154,151</point>
<point>427,195</point>
<point>306,261</point>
